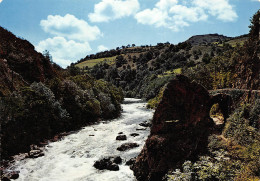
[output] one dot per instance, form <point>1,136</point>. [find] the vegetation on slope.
<point>38,99</point>
<point>91,63</point>
<point>234,154</point>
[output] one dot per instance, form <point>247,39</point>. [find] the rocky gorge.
<point>92,153</point>
<point>180,128</point>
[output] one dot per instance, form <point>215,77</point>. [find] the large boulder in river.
<point>180,129</point>
<point>127,146</point>
<point>109,163</point>
<point>121,137</point>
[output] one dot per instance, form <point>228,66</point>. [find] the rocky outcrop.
<point>180,129</point>
<point>22,61</point>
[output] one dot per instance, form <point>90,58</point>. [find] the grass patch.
<point>177,71</point>
<point>234,42</point>
<point>91,63</point>
<point>239,41</point>
<point>169,72</point>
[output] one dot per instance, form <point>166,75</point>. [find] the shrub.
<point>34,114</point>
<point>238,129</point>
<point>218,167</point>
<point>154,102</point>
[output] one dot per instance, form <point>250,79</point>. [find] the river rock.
<point>127,146</point>
<point>117,160</point>
<point>35,153</point>
<point>145,124</point>
<point>113,167</point>
<point>10,175</point>
<point>5,179</point>
<point>109,163</point>
<point>180,129</point>
<point>134,134</point>
<point>15,175</point>
<point>121,137</point>
<point>140,129</point>
<point>131,161</point>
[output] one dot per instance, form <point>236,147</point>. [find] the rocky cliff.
<point>19,59</point>
<point>180,128</point>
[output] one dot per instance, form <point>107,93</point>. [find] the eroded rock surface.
<point>180,129</point>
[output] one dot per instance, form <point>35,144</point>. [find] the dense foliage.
<point>40,111</point>
<point>234,155</point>
<point>141,72</point>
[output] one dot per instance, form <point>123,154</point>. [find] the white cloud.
<point>70,27</point>
<point>192,14</point>
<point>64,51</point>
<point>102,48</point>
<point>166,4</point>
<point>152,17</point>
<point>108,10</point>
<point>174,15</point>
<point>219,8</point>
<point>71,38</point>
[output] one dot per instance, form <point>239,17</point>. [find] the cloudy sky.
<point>72,29</point>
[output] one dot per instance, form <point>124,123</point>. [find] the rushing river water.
<point>72,158</point>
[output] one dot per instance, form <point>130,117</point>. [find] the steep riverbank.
<point>73,157</point>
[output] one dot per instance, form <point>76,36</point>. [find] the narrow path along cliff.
<point>72,158</point>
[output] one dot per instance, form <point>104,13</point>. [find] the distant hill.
<point>20,63</point>
<point>142,70</point>
<point>207,39</point>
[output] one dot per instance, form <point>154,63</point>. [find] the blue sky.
<point>72,29</point>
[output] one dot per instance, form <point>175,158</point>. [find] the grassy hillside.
<point>135,68</point>
<point>91,63</point>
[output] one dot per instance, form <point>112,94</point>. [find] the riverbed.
<point>73,157</point>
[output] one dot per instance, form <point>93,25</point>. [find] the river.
<point>72,158</point>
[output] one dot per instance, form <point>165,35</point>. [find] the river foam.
<point>72,158</point>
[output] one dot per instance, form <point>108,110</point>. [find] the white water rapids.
<point>72,158</point>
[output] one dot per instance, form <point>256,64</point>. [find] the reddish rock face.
<point>180,129</point>
<point>18,57</point>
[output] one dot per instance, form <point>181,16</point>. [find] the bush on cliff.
<point>154,102</point>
